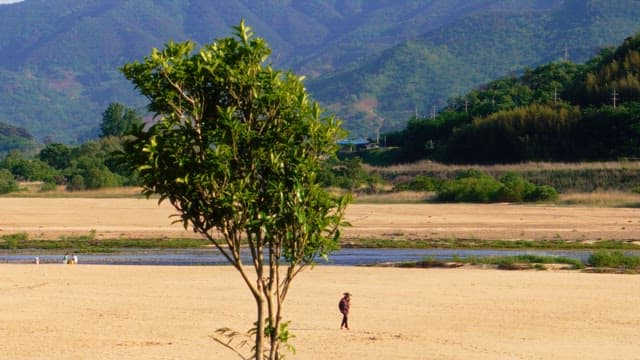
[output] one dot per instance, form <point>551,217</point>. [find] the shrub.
<point>470,187</point>
<point>419,183</point>
<point>7,182</point>
<point>475,186</point>
<point>515,188</point>
<point>542,193</point>
<point>48,186</point>
<point>76,183</point>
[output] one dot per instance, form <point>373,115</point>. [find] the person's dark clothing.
<point>344,306</point>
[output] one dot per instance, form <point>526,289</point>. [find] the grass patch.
<point>614,260</point>
<point>598,262</point>
<point>455,243</point>
<point>13,241</point>
<point>517,262</point>
<point>89,244</point>
<point>525,261</point>
<point>601,199</point>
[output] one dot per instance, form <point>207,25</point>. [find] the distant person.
<point>343,306</point>
<point>74,259</point>
<point>37,260</point>
<point>66,258</point>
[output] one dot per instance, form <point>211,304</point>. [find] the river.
<point>343,257</point>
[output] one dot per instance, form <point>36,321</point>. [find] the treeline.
<point>556,112</point>
<point>15,138</point>
<point>91,165</point>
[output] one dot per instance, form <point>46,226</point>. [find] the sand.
<point>50,218</point>
<point>57,311</point>
<point>144,312</point>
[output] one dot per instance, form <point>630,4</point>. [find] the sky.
<point>9,1</point>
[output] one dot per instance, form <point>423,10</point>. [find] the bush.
<point>348,174</point>
<point>515,188</point>
<point>48,186</point>
<point>542,193</point>
<point>419,183</point>
<point>76,183</point>
<point>471,189</point>
<point>475,186</point>
<point>7,182</point>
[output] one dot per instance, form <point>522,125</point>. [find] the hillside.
<point>416,77</point>
<point>15,138</point>
<point>373,62</point>
<point>557,112</point>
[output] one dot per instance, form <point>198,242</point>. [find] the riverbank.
<point>147,312</point>
<point>54,218</point>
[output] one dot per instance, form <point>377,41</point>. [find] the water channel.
<point>343,257</point>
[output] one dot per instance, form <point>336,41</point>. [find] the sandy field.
<point>57,311</point>
<point>50,218</point>
<point>139,312</point>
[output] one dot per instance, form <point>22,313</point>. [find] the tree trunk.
<point>260,327</point>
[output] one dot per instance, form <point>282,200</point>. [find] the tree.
<point>118,120</point>
<point>7,182</point>
<point>236,149</point>
<point>56,155</point>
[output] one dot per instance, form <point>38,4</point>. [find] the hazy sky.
<point>9,1</point>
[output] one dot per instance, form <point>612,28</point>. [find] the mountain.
<point>374,62</point>
<point>417,77</point>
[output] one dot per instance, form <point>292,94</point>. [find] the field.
<point>144,312</point>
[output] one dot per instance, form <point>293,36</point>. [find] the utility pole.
<point>433,112</point>
<point>566,54</point>
<point>555,96</point>
<point>615,98</point>
<point>466,105</point>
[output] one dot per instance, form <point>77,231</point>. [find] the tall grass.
<point>614,259</point>
<point>564,177</point>
<point>601,199</point>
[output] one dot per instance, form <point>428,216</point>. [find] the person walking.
<point>344,305</point>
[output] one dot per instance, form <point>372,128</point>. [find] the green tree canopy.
<point>118,119</point>
<point>236,149</point>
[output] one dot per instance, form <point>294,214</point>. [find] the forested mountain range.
<point>373,62</point>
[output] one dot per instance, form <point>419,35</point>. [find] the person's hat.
<point>347,294</point>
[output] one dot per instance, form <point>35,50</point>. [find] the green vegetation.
<point>91,165</point>
<point>614,259</point>
<point>600,261</point>
<point>348,174</point>
<point>519,262</point>
<point>7,182</point>
<point>556,112</point>
<point>89,244</point>
<point>14,138</point>
<point>236,151</point>
<point>555,244</point>
<point>584,177</point>
<point>374,62</point>
<point>477,187</point>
